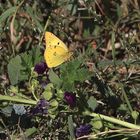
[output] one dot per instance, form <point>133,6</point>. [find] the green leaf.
<point>92,103</point>
<point>60,94</point>
<point>119,11</point>
<point>123,107</point>
<point>36,55</point>
<point>30,131</point>
<point>14,70</point>
<point>97,123</point>
<point>72,65</point>
<point>47,94</point>
<point>7,111</point>
<point>53,104</point>
<point>54,78</point>
<point>69,86</point>
<point>53,108</point>
<point>29,59</point>
<point>135,115</point>
<point>19,109</point>
<point>71,127</point>
<point>7,13</point>
<point>68,74</point>
<point>71,72</point>
<point>26,62</point>
<point>83,74</point>
<point>19,67</point>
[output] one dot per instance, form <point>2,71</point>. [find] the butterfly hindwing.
<point>54,56</point>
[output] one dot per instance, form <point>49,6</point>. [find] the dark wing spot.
<point>58,43</point>
<point>54,53</point>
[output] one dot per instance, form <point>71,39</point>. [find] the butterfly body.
<point>56,51</point>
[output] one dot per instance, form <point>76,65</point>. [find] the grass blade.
<point>7,13</point>
<point>71,128</point>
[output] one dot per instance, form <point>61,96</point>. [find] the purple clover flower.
<point>40,67</point>
<point>83,130</point>
<point>70,98</point>
<point>41,108</point>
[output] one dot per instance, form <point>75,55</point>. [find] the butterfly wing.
<point>56,51</point>
<point>56,55</point>
<point>52,40</point>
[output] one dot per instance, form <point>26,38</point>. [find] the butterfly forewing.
<point>52,40</point>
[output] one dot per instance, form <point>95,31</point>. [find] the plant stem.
<point>19,100</point>
<point>33,93</point>
<point>46,25</point>
<point>113,120</point>
<point>126,98</point>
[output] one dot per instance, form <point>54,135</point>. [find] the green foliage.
<point>14,70</point>
<point>53,112</point>
<point>71,127</point>
<point>30,11</point>
<point>7,13</point>
<point>73,72</point>
<point>19,67</point>
<point>92,103</point>
<point>48,93</point>
<point>103,72</point>
<point>7,110</point>
<point>97,123</point>
<point>70,73</point>
<point>135,115</point>
<point>30,131</point>
<point>54,78</point>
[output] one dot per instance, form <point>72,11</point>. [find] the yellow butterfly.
<point>56,51</point>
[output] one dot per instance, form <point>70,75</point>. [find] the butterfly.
<point>56,51</point>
